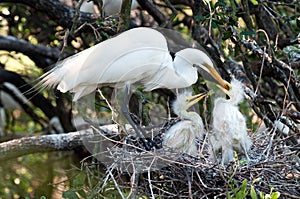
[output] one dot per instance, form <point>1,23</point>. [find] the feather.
<point>229,125</point>
<point>139,47</point>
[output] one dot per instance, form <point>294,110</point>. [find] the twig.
<point>149,179</point>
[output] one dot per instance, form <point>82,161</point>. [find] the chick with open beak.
<point>229,131</point>
<point>181,137</point>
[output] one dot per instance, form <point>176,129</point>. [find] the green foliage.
<point>243,191</point>
<point>238,192</point>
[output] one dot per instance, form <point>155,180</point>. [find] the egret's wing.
<point>65,69</point>
<point>125,57</point>
<point>177,74</point>
<point>181,137</point>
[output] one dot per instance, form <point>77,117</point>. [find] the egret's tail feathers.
<point>66,73</point>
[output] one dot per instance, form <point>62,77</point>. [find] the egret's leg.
<point>189,171</point>
<point>245,151</point>
<point>139,131</point>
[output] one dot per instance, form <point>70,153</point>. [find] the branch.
<point>35,97</point>
<point>43,56</point>
<point>57,11</point>
<point>183,2</point>
<point>124,19</point>
<point>279,70</point>
<point>46,143</point>
<point>153,11</point>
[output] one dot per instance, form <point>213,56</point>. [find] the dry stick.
<point>149,179</point>
<point>76,17</point>
<point>65,44</point>
<point>253,47</point>
<point>145,151</point>
<point>72,31</point>
<point>109,105</point>
<point>173,15</point>
<point>207,2</point>
<point>116,184</point>
<point>262,63</point>
<point>133,182</point>
<point>96,33</point>
<point>205,186</point>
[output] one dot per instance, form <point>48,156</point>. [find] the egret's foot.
<point>152,143</point>
<point>146,144</point>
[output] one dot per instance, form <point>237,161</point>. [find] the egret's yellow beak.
<point>224,90</point>
<point>196,98</point>
<point>223,83</point>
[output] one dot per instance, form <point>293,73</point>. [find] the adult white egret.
<point>109,7</point>
<point>182,135</point>
<point>229,132</point>
<point>139,55</point>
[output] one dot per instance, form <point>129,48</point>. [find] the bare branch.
<point>43,56</point>
<point>153,11</point>
<point>57,11</point>
<point>46,143</point>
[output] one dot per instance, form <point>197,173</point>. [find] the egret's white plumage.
<point>229,125</point>
<point>2,121</point>
<point>137,55</point>
<point>182,136</point>
<point>110,7</point>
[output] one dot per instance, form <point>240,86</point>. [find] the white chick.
<point>229,132</point>
<point>182,136</point>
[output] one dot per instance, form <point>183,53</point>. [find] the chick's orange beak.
<point>196,98</point>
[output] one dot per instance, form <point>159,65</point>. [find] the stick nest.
<point>274,167</point>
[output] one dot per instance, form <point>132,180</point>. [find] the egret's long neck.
<point>192,116</point>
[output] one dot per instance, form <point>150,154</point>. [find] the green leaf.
<point>105,34</point>
<point>70,194</point>
<point>247,33</point>
<point>275,195</point>
<point>254,2</point>
<point>256,180</point>
<point>79,180</point>
<point>253,193</point>
<point>82,193</point>
<point>244,185</point>
<point>261,195</point>
<point>226,35</point>
<point>199,18</point>
<point>220,4</point>
<point>214,25</point>
<point>229,196</point>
